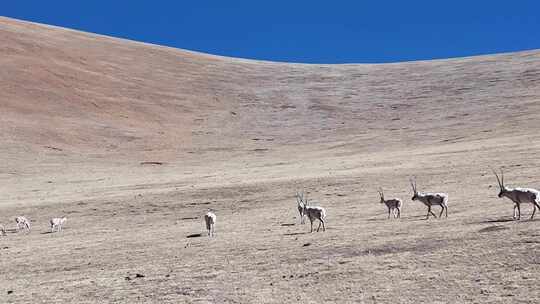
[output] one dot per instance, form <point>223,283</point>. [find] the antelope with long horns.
<point>393,204</point>
<point>518,196</point>
<point>431,199</point>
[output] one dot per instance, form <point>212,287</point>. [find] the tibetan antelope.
<point>210,220</point>
<point>22,223</point>
<point>393,204</point>
<point>57,223</point>
<point>300,206</point>
<point>518,196</point>
<point>431,199</point>
<point>314,213</point>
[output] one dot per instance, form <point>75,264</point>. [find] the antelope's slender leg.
<point>320,222</point>
<point>429,211</point>
<point>535,205</point>
<point>442,210</point>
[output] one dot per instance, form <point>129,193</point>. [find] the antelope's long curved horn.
<point>413,185</point>
<point>497,176</point>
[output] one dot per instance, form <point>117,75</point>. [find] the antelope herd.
<point>316,213</point>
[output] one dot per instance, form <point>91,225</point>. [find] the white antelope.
<point>431,199</point>
<point>22,223</point>
<point>57,223</point>
<point>210,220</point>
<point>314,213</point>
<point>518,196</point>
<point>300,206</point>
<point>393,204</point>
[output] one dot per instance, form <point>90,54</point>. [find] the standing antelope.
<point>518,196</point>
<point>300,206</point>
<point>393,204</point>
<point>57,223</point>
<point>22,223</point>
<point>2,230</point>
<point>210,220</point>
<point>431,199</point>
<point>315,213</point>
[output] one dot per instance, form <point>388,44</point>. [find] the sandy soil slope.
<point>84,117</point>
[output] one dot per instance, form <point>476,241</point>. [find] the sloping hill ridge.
<point>135,142</point>
<point>78,97</point>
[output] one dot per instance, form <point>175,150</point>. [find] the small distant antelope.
<point>431,199</point>
<point>2,230</point>
<point>57,223</point>
<point>518,196</point>
<point>210,220</point>
<point>393,204</point>
<point>314,213</point>
<point>22,223</point>
<point>300,206</point>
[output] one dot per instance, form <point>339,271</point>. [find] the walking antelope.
<point>314,213</point>
<point>210,220</point>
<point>431,199</point>
<point>22,223</point>
<point>393,204</point>
<point>518,196</point>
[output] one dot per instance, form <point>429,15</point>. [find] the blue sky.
<point>358,31</point>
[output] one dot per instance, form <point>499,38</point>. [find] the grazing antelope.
<point>518,196</point>
<point>57,223</point>
<point>314,213</point>
<point>393,204</point>
<point>431,199</point>
<point>210,220</point>
<point>22,223</point>
<point>300,206</point>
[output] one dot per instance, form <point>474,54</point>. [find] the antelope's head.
<point>300,199</point>
<point>415,193</point>
<point>381,194</point>
<point>500,181</point>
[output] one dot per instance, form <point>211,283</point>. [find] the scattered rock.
<point>9,291</point>
<point>306,244</point>
<point>138,275</point>
<point>151,163</point>
<point>53,148</point>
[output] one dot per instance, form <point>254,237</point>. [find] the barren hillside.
<point>144,138</point>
